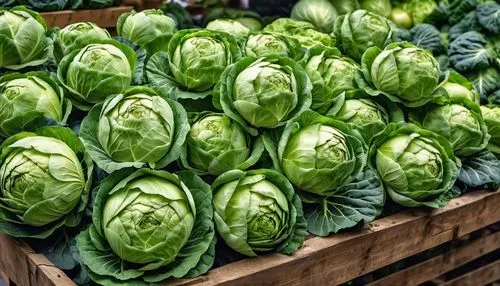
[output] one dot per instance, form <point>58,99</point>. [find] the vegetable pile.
<point>170,148</point>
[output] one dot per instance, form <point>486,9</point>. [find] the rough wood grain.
<point>23,266</point>
<point>481,276</point>
<point>436,266</point>
<point>340,258</point>
<point>104,18</point>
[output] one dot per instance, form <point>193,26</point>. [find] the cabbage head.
<point>257,212</point>
<point>491,115</point>
<point>459,87</point>
<point>150,29</point>
<point>96,71</point>
<point>23,39</point>
<point>320,13</point>
<point>368,115</point>
<point>29,101</point>
<point>44,182</point>
<point>461,123</point>
<point>265,44</point>
<point>264,92</point>
<point>148,226</point>
<point>379,7</point>
<point>331,75</point>
<point>135,129</point>
<point>304,32</point>
<point>319,154</point>
<point>359,30</point>
<point>71,37</point>
<point>198,57</point>
<point>417,166</point>
<point>403,72</point>
<point>232,27</point>
<point>216,144</point>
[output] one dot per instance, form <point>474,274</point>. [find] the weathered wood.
<point>104,18</point>
<point>4,279</point>
<point>23,266</point>
<point>439,265</point>
<point>340,258</point>
<point>481,276</point>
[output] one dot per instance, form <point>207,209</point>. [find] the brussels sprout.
<point>29,101</point>
<point>331,75</point>
<point>304,32</point>
<point>417,166</point>
<point>265,44</point>
<point>23,39</point>
<point>357,31</point>
<point>71,37</point>
<point>491,115</point>
<point>198,57</point>
<point>148,226</point>
<point>367,115</point>
<point>320,13</point>
<point>264,92</point>
<point>258,211</point>
<point>135,129</point>
<point>149,29</point>
<point>43,184</point>
<point>402,72</point>
<point>380,7</point>
<point>401,18</point>
<point>96,71</point>
<point>320,154</point>
<point>231,27</point>
<point>462,124</point>
<point>216,144</point>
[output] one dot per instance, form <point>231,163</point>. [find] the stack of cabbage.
<point>149,144</point>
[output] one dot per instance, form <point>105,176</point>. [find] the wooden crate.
<point>339,258</point>
<point>104,18</point>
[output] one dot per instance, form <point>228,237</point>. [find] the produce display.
<point>183,144</point>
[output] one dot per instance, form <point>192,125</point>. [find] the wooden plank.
<point>481,276</point>
<point>104,18</point>
<point>436,266</point>
<point>343,257</point>
<point>4,279</point>
<point>23,266</point>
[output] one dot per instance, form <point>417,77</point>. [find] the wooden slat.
<point>436,266</point>
<point>340,258</point>
<point>4,279</point>
<point>104,18</point>
<point>23,266</point>
<point>481,276</point>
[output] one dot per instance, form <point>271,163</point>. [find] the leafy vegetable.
<point>304,32</point>
<point>29,101</point>
<point>44,182</point>
<point>23,39</point>
<point>258,211</point>
<point>320,13</point>
<point>319,154</point>
<point>232,27</point>
<point>265,44</point>
<point>264,92</point>
<point>148,226</point>
<point>380,7</point>
<point>402,72</point>
<point>135,129</point>
<point>150,29</point>
<point>96,71</point>
<point>357,31</point>
<point>417,166</point>
<point>72,36</point>
<point>216,144</point>
<point>491,116</point>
